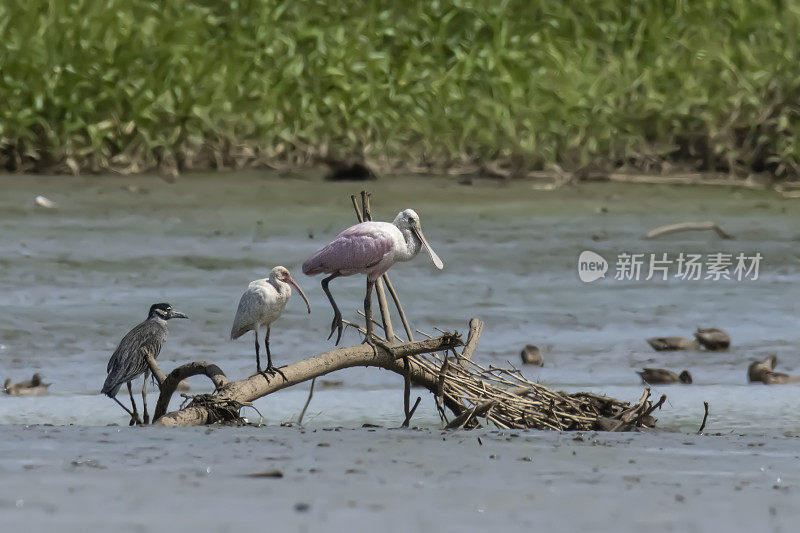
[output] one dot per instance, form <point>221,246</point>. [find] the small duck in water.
<point>713,339</point>
<point>660,376</point>
<point>757,369</point>
<point>778,378</point>
<point>31,387</point>
<point>531,355</point>
<point>667,344</point>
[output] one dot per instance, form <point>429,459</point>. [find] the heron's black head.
<point>164,311</point>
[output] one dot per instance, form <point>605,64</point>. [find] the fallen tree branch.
<point>170,383</point>
<point>688,226</point>
<point>475,330</point>
<point>258,385</point>
<point>151,362</point>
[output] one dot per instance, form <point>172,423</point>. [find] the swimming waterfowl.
<point>531,355</point>
<point>665,344</point>
<point>30,387</point>
<point>660,376</point>
<point>757,369</point>
<point>778,378</point>
<point>713,339</point>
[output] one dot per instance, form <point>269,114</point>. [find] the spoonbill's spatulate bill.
<point>369,248</point>
<point>128,361</point>
<point>262,304</point>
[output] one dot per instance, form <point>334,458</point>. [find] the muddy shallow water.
<point>77,277</point>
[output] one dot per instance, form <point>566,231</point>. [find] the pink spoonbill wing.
<point>354,250</point>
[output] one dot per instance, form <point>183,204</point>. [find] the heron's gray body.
<point>261,304</point>
<point>128,362</point>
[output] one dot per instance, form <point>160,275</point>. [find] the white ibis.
<point>369,248</point>
<point>262,304</point>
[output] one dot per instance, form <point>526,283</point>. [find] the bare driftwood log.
<point>688,226</point>
<point>499,396</point>
<point>257,386</point>
<point>169,384</point>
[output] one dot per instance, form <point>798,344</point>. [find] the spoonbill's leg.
<point>258,357</point>
<point>337,315</point>
<point>271,369</point>
<point>145,416</point>
<point>368,311</point>
<point>135,415</point>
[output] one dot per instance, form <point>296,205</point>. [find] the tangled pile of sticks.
<point>503,397</point>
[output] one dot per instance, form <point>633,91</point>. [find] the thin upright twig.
<point>366,215</point>
<point>308,401</point>
<point>396,299</point>
<point>705,417</point>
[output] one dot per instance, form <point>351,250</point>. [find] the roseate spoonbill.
<point>261,305</point>
<point>659,376</point>
<point>369,248</point>
<point>29,387</point>
<point>129,360</point>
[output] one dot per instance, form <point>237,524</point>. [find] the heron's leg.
<point>271,369</point>
<point>145,416</point>
<point>337,315</point>
<point>135,415</point>
<point>258,357</point>
<point>368,311</point>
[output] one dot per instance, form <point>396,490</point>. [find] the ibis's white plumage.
<point>263,303</point>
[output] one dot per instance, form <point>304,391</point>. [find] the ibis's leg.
<point>269,355</point>
<point>271,369</point>
<point>135,415</point>
<point>145,416</point>
<point>258,357</point>
<point>337,315</point>
<point>368,311</point>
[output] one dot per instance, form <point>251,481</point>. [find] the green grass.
<point>97,84</point>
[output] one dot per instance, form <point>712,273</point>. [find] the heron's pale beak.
<point>177,314</point>
<point>294,284</point>
<point>434,257</point>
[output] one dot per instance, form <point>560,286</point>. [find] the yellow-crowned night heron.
<point>129,360</point>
